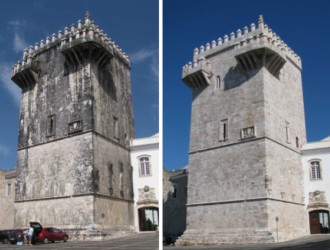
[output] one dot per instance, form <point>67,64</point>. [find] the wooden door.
<point>314,222</point>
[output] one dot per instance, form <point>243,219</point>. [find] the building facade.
<point>316,164</point>
<point>7,197</point>
<point>76,121</point>
<point>247,126</point>
<point>174,203</point>
<point>145,162</point>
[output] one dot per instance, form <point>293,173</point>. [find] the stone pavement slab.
<point>311,242</point>
<point>141,241</point>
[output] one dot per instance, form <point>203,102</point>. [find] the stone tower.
<point>247,126</point>
<point>76,121</point>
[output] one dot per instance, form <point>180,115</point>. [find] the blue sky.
<point>187,24</point>
<point>133,25</point>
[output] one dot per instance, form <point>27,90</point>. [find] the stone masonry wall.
<point>114,176</point>
<point>56,169</point>
<point>223,176</point>
<point>242,216</point>
<point>113,215</point>
<point>113,114</point>
<point>75,125</point>
<point>7,200</point>
<point>174,209</point>
<point>66,213</point>
<point>60,93</point>
<point>239,100</point>
<point>247,125</point>
<point>285,185</point>
<point>284,107</point>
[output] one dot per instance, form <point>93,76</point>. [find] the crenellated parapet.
<point>84,41</point>
<point>257,46</point>
<point>197,74</point>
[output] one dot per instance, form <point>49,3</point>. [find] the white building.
<point>146,170</point>
<point>316,164</point>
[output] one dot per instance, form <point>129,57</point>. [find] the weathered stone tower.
<point>247,125</point>
<point>76,120</point>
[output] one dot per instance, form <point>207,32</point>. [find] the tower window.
<point>110,172</point>
<point>248,132</point>
<point>297,142</point>
<point>9,189</point>
<point>115,128</point>
<point>145,166</point>
<point>223,130</point>
<point>121,181</point>
<point>174,192</point>
<point>51,122</point>
<point>218,83</point>
<point>287,132</point>
<point>315,170</point>
<point>75,127</point>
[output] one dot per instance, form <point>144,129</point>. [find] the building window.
<point>110,172</point>
<point>218,83</point>
<point>75,127</point>
<point>248,132</point>
<point>223,130</point>
<point>9,189</point>
<point>121,181</point>
<point>297,142</point>
<point>174,192</point>
<point>115,128</point>
<point>287,131</point>
<point>145,166</point>
<point>51,122</point>
<point>315,170</point>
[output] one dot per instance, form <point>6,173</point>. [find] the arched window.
<point>218,83</point>
<point>145,166</point>
<point>9,189</point>
<point>315,169</point>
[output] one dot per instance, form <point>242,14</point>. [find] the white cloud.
<point>9,86</point>
<point>145,55</point>
<point>142,55</point>
<point>17,23</point>
<point>18,27</point>
<point>154,111</point>
<point>155,66</point>
<point>4,150</point>
<point>19,44</point>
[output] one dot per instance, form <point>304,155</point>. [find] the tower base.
<point>212,237</point>
<point>85,217</point>
<point>97,234</point>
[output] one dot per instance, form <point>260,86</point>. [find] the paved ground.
<point>311,242</point>
<point>143,241</point>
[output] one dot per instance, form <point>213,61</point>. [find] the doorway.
<point>148,218</point>
<point>319,221</point>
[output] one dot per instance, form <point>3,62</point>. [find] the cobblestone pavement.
<point>142,241</point>
<point>311,242</point>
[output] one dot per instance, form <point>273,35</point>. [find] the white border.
<point>160,90</point>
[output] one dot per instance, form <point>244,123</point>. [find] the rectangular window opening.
<point>51,123</point>
<point>115,128</point>
<point>287,132</point>
<point>223,130</point>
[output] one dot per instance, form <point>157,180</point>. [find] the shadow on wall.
<point>235,77</point>
<point>174,205</point>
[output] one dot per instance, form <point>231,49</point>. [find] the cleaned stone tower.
<point>247,126</point>
<point>76,121</point>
